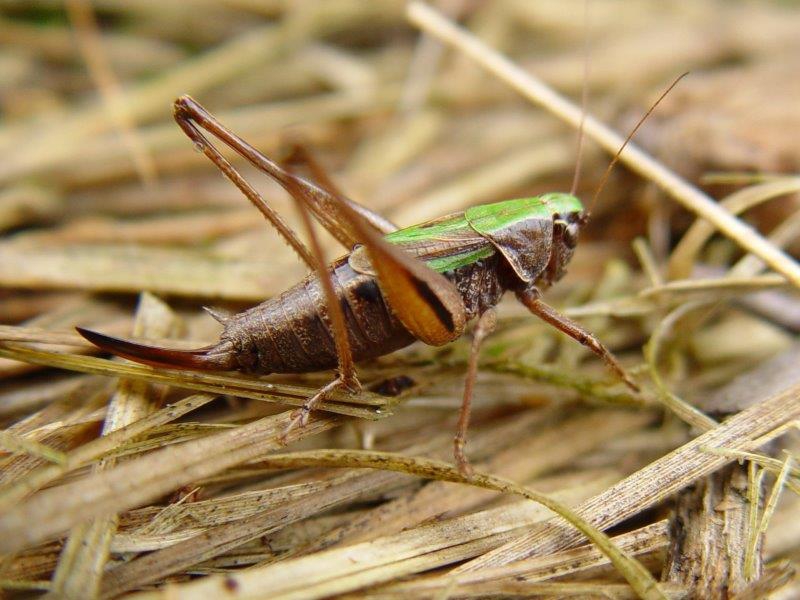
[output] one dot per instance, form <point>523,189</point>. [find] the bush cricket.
<point>393,287</point>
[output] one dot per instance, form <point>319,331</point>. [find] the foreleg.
<point>548,314</point>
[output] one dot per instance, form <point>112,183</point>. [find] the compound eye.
<point>571,235</point>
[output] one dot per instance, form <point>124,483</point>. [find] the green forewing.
<point>444,244</point>
<point>442,227</point>
<point>520,229</point>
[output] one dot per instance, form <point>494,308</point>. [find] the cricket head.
<point>568,217</point>
<point>566,228</point>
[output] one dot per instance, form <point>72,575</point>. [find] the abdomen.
<point>290,334</point>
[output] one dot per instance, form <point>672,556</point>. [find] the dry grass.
<point>120,478</point>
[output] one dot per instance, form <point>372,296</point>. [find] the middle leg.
<point>485,325</point>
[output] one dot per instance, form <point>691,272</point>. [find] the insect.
<point>393,287</point>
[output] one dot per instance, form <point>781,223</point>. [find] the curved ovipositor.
<point>201,359</point>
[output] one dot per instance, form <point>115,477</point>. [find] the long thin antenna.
<point>584,100</point>
<point>628,139</point>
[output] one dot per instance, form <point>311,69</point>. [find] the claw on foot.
<point>300,416</point>
<point>299,419</point>
<point>464,466</point>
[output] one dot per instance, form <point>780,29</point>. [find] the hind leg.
<point>347,378</point>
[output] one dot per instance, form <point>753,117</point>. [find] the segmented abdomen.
<point>290,333</point>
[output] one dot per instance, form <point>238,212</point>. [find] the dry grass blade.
<point>283,582</point>
<point>87,549</point>
<point>14,444</point>
<point>615,591</point>
<point>43,149</point>
<point>777,488</point>
<point>345,486</point>
<point>685,253</point>
<point>767,463</point>
<point>14,491</point>
<point>754,489</point>
<point>691,415</point>
<point>363,404</point>
<point>131,269</point>
<point>215,541</point>
<point>736,285</point>
<point>546,451</point>
<point>91,45</point>
<point>639,542</point>
<point>134,482</point>
<point>9,333</point>
<point>658,480</point>
<point>481,184</point>
<point>410,551</point>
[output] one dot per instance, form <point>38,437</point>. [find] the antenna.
<point>584,99</point>
<point>628,139</point>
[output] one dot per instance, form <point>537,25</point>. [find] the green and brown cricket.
<point>392,288</point>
